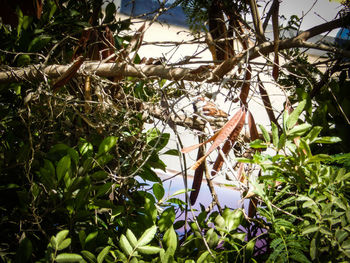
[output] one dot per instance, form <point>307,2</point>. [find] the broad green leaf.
<point>63,167</point>
<point>107,144</point>
<point>299,130</point>
<point>274,131</point>
<point>157,139</point>
<point>149,250</point>
<point>92,236</point>
<point>265,133</point>
<point>131,237</point>
<point>294,116</point>
<point>166,219</point>
<point>101,256</point>
<point>147,236</point>
<point>249,249</point>
<point>203,257</point>
<point>91,258</point>
<point>53,242</point>
<point>64,244</point>
<point>170,238</point>
<point>24,251</point>
<point>61,236</point>
<point>69,257</point>
<point>232,218</point>
<point>125,245</point>
<point>158,191</point>
<point>38,43</point>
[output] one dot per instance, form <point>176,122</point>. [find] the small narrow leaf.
<point>274,131</point>
<point>265,133</point>
<point>327,140</point>
<point>294,116</point>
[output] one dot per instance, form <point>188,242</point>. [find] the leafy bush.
<point>304,197</point>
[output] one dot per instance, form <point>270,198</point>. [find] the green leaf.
<point>101,256</point>
<point>64,244</point>
<point>274,131</point>
<point>157,139</point>
<point>107,144</point>
<point>203,257</point>
<point>63,167</point>
<point>327,140</point>
<point>172,152</point>
<point>232,218</point>
<point>38,43</point>
<point>125,245</point>
<point>313,248</point>
<point>310,229</point>
<point>249,249</point>
<point>110,13</point>
<point>24,251</point>
<point>166,219</point>
<point>158,191</point>
<point>299,130</point>
<point>89,256</point>
<point>265,133</point>
<point>61,236</point>
<point>170,238</point>
<point>282,141</point>
<point>294,116</point>
<point>69,257</point>
<point>149,174</point>
<point>312,135</point>
<point>149,250</point>
<point>85,147</point>
<point>147,236</point>
<point>257,144</point>
<point>342,177</point>
<point>285,118</point>
<point>131,237</point>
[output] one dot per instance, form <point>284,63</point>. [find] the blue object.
<point>175,16</point>
<point>343,37</point>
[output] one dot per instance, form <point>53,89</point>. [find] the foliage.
<point>77,165</point>
<point>305,197</point>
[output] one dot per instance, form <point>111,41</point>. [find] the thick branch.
<point>103,70</point>
<point>175,73</point>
